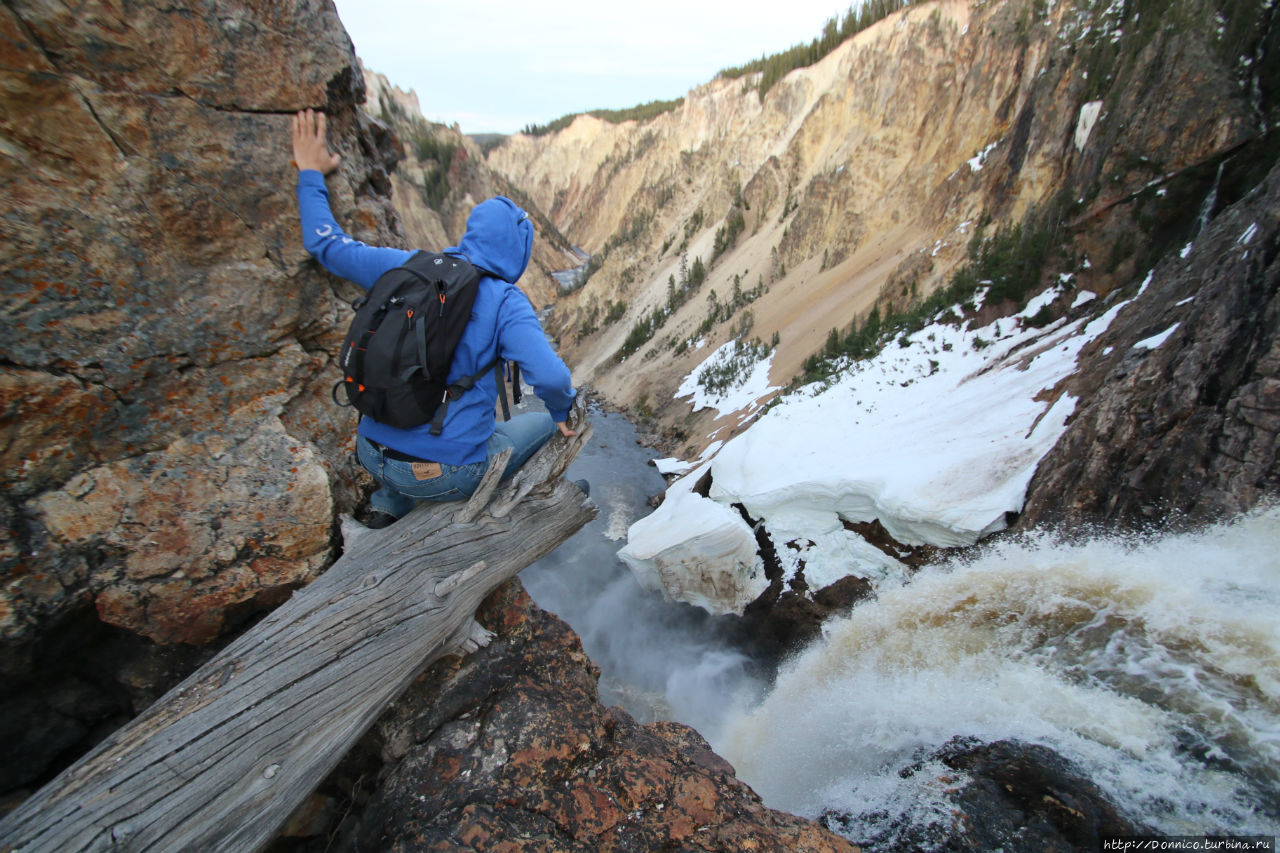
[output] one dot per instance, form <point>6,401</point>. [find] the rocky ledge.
<point>510,749</point>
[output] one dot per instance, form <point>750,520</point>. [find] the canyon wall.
<point>862,179</point>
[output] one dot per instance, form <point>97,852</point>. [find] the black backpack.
<point>396,358</point>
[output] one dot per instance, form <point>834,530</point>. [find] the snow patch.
<point>1156,340</point>
<point>1084,125</point>
<point>938,440</point>
<point>750,387</point>
<point>977,161</point>
<point>1082,297</point>
<point>671,465</point>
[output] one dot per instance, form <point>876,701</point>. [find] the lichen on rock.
<point>164,329</point>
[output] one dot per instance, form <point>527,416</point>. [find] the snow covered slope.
<point>937,437</point>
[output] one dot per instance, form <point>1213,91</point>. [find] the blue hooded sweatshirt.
<point>498,240</point>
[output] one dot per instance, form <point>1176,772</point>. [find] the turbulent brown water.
<point>1153,663</point>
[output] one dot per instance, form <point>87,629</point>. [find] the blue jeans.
<point>401,487</point>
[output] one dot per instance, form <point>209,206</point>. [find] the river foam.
<point>1154,664</point>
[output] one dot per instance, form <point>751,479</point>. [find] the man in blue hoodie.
<point>412,465</point>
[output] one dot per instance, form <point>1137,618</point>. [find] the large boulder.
<point>170,461</point>
<point>1006,795</point>
<point>168,451</point>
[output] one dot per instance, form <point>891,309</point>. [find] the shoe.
<point>584,486</point>
<point>379,519</point>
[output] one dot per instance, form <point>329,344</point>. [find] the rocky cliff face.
<point>170,453</point>
<point>1186,429</point>
<point>861,179</point>
<point>510,749</point>
<point>172,462</point>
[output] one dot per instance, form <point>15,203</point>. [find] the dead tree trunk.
<point>222,760</point>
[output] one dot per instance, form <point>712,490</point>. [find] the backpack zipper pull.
<point>440,285</point>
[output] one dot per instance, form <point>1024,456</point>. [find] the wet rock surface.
<point>510,749</point>
<point>1007,795</point>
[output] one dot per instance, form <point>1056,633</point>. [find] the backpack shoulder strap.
<point>465,384</point>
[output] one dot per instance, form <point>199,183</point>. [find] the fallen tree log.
<point>222,760</point>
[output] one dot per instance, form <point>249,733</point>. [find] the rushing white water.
<point>1154,664</point>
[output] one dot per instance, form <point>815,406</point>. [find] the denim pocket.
<point>456,482</point>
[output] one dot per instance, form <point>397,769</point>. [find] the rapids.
<point>1151,662</point>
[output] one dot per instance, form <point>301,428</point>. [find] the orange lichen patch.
<point>272,572</point>
<point>696,797</point>
<point>538,756</point>
<point>474,835</point>
<point>641,782</point>
<point>591,811</point>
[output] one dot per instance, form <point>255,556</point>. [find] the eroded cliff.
<point>860,181</point>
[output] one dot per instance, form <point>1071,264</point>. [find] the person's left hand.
<point>564,429</point>
<point>310,147</point>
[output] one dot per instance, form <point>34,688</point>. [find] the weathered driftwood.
<point>222,760</point>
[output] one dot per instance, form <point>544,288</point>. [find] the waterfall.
<point>1210,201</point>
<point>1150,663</point>
<point>657,659</point>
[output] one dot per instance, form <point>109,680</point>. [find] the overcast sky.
<point>496,66</point>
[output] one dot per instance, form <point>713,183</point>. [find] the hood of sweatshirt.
<point>499,238</point>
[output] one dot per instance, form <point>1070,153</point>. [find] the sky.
<point>494,66</point>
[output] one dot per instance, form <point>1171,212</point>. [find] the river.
<point>658,659</point>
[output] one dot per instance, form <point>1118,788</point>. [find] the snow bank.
<point>1084,125</point>
<point>696,550</point>
<point>937,439</point>
<point>671,465</point>
<point>752,385</point>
